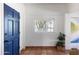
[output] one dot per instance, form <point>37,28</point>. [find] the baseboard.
<point>40,46</point>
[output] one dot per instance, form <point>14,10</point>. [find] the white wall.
<point>22,10</point>
<point>1,30</point>
<point>73,7</point>
<point>44,11</point>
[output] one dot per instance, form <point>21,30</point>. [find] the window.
<point>44,25</point>
<point>50,25</point>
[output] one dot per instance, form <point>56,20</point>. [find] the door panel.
<point>15,45</point>
<point>8,47</point>
<point>10,27</point>
<point>11,31</point>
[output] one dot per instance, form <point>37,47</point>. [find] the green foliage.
<point>61,40</point>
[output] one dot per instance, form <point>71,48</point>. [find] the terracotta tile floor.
<point>42,51</point>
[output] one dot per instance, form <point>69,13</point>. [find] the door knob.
<point>6,41</point>
<point>5,34</point>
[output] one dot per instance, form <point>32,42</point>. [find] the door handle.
<point>6,41</point>
<point>5,34</point>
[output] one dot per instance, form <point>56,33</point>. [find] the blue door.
<point>11,31</point>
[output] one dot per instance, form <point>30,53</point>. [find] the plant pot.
<point>74,51</point>
<point>60,48</point>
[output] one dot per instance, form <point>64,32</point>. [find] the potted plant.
<point>61,41</point>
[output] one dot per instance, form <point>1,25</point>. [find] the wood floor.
<point>42,51</point>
